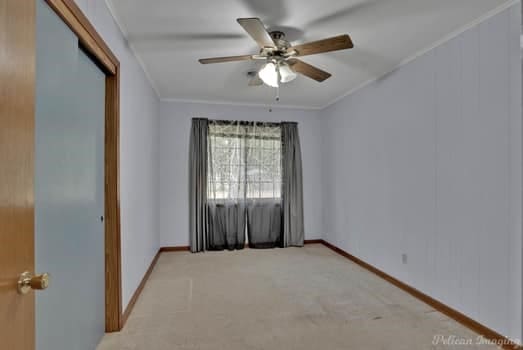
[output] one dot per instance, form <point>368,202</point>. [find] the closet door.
<point>69,188</point>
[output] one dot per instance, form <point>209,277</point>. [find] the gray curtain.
<point>292,187</point>
<point>226,225</point>
<point>264,218</point>
<point>198,223</point>
<point>244,194</point>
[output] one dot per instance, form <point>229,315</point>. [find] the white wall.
<point>139,116</point>
<point>175,126</point>
<point>427,162</point>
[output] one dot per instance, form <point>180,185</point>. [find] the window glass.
<point>244,160</point>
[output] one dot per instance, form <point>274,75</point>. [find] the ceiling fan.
<point>281,62</point>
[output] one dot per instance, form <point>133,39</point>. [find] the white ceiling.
<point>169,36</point>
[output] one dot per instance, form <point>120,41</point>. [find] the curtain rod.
<point>244,122</point>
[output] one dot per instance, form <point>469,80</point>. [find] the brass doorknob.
<point>27,281</point>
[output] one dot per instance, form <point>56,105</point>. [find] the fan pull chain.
<point>278,83</point>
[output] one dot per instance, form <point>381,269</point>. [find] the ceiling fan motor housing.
<point>281,45</point>
<point>277,35</point>
<point>279,56</point>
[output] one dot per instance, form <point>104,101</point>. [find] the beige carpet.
<point>289,299</point>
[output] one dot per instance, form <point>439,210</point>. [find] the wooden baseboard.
<point>313,241</point>
<point>466,321</point>
<point>175,249</point>
<point>138,291</point>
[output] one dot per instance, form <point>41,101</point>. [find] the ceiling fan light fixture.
<point>269,74</point>
<point>282,60</point>
<point>286,73</point>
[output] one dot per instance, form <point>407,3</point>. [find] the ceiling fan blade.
<point>340,42</point>
<point>308,70</point>
<point>255,81</point>
<point>257,31</point>
<point>225,59</point>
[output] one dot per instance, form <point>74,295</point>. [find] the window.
<point>244,160</point>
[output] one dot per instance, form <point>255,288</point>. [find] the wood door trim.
<point>113,274</point>
<point>73,17</point>
<point>88,36</point>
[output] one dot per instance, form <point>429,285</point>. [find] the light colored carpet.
<point>288,299</point>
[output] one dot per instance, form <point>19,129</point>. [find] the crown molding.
<point>239,104</point>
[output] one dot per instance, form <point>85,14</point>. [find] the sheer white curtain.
<point>244,183</point>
